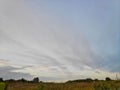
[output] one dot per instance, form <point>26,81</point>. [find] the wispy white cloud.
<point>50,47</point>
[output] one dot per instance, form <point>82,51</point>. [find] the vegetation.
<point>82,84</point>
<point>2,86</point>
<point>100,85</point>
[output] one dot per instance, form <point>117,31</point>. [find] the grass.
<point>2,86</point>
<point>99,85</point>
<point>22,86</point>
<point>41,86</point>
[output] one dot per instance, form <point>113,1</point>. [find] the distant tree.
<point>22,80</point>
<point>1,79</point>
<point>89,80</point>
<point>108,79</point>
<point>36,80</point>
<point>10,80</point>
<point>96,79</point>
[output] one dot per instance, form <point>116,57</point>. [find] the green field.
<point>2,86</point>
<point>99,85</point>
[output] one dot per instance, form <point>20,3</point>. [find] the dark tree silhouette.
<point>1,79</point>
<point>96,79</point>
<point>108,79</point>
<point>36,80</point>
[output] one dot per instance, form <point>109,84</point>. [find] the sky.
<point>59,40</point>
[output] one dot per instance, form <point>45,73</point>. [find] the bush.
<point>2,86</point>
<point>36,80</point>
<point>1,79</point>
<point>107,79</point>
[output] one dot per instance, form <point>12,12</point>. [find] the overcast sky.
<point>58,40</point>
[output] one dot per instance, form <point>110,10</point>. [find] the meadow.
<point>93,85</point>
<point>2,86</point>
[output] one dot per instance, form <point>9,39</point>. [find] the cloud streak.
<point>45,47</point>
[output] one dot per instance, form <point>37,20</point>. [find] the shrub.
<point>36,80</point>
<point>2,86</point>
<point>107,79</point>
<point>1,79</point>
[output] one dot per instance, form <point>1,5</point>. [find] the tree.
<point>96,79</point>
<point>108,79</point>
<point>1,79</point>
<point>89,80</point>
<point>36,80</point>
<point>23,80</point>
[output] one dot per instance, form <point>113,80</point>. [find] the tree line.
<point>35,80</point>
